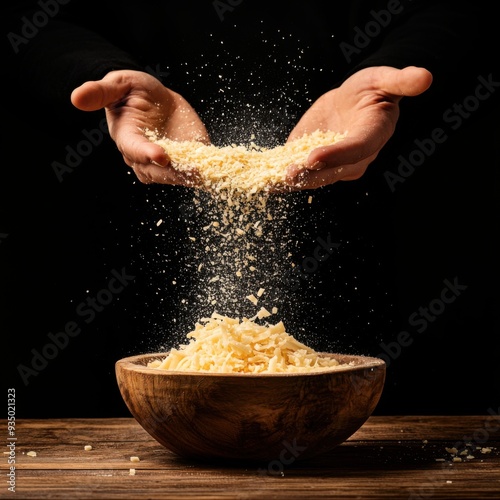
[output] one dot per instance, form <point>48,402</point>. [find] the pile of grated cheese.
<point>240,168</point>
<point>229,345</point>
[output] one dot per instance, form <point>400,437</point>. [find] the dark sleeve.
<point>49,55</point>
<point>440,36</point>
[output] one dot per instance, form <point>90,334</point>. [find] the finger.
<point>348,151</point>
<point>313,179</point>
<point>152,174</point>
<point>409,81</point>
<point>92,96</point>
<point>328,173</point>
<point>144,152</point>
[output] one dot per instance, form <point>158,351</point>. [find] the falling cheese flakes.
<point>239,179</point>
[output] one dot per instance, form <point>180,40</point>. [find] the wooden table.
<point>389,457</point>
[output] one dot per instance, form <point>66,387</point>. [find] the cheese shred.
<point>229,345</point>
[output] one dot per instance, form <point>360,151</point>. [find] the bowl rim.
<point>130,363</point>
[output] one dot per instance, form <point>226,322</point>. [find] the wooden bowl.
<point>261,417</point>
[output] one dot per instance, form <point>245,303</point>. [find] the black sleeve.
<point>441,36</point>
<point>49,53</point>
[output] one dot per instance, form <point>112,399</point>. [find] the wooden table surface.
<point>389,457</point>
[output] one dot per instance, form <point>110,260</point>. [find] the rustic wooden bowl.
<point>260,417</point>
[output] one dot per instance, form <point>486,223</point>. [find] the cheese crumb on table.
<point>31,453</point>
<point>135,459</point>
<point>131,472</point>
<point>87,447</point>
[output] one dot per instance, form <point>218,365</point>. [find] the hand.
<point>135,101</point>
<point>366,107</point>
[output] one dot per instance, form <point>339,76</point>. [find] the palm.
<point>136,102</point>
<point>366,108</point>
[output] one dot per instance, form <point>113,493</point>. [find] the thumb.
<point>94,95</point>
<point>409,81</point>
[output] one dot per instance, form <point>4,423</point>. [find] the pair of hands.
<point>366,106</point>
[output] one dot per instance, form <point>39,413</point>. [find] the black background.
<point>60,241</point>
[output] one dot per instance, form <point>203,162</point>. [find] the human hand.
<point>135,101</point>
<point>366,107</point>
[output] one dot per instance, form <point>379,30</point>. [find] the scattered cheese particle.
<point>263,313</point>
<point>238,273</point>
<point>449,482</point>
<point>310,199</point>
<point>192,239</point>
<point>457,459</point>
<point>252,268</point>
<point>260,292</point>
<point>452,451</point>
<point>274,310</point>
<point>485,450</point>
<point>253,299</point>
<point>87,447</point>
<point>135,459</point>
<point>31,453</point>
<point>131,472</point>
<point>159,222</point>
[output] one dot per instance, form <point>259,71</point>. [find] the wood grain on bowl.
<point>251,417</point>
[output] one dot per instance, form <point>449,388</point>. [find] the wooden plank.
<point>384,483</point>
<point>376,427</point>
<point>388,458</point>
<point>430,427</point>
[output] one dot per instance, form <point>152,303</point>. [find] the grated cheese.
<point>239,168</point>
<point>263,313</point>
<point>230,345</point>
<point>253,299</point>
